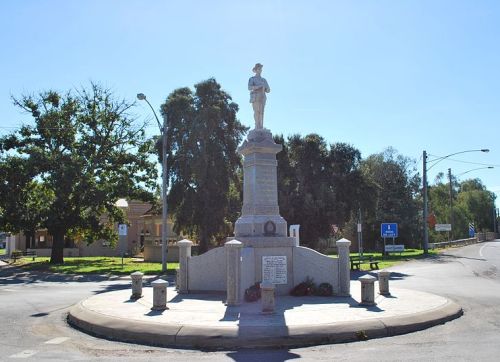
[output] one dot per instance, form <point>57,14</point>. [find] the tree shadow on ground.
<point>262,355</point>
<point>445,256</point>
<point>394,275</point>
<point>14,275</point>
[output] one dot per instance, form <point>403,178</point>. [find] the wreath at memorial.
<point>324,290</point>
<point>269,228</point>
<point>307,287</point>
<point>253,294</point>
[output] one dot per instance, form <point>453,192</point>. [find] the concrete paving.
<point>204,322</point>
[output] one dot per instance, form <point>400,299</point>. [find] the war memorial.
<point>206,308</point>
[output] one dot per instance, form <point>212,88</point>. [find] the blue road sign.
<point>389,230</point>
<point>472,230</point>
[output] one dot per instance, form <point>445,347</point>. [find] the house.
<point>144,229</point>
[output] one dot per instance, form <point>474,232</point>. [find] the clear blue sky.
<point>415,75</point>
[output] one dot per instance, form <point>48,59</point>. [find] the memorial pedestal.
<point>260,213</point>
<point>260,227</point>
<point>265,253</point>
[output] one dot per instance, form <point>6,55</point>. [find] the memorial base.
<point>271,264</point>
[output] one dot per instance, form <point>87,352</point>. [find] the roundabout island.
<point>203,321</point>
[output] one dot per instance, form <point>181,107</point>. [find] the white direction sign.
<point>443,227</point>
<point>396,248</point>
<point>122,229</point>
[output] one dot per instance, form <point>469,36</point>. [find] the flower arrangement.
<point>308,287</point>
<point>253,293</point>
<point>324,290</point>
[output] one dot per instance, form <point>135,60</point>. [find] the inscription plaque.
<point>274,269</point>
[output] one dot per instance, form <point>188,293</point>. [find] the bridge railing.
<point>480,237</point>
<point>487,236</point>
<point>447,244</point>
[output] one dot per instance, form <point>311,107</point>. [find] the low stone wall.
<point>152,253</point>
<point>207,272</point>
<point>210,272</point>
<point>98,249</point>
<point>321,268</point>
<point>68,252</point>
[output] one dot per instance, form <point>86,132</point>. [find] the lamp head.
<point>485,150</point>
<point>141,96</point>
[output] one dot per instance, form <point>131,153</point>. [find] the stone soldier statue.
<point>258,88</point>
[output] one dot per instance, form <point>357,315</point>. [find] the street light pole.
<point>424,187</point>
<point>451,204</point>
<point>426,231</point>
<point>163,131</point>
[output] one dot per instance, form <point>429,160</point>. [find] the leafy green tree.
<point>396,184</point>
<point>305,189</point>
<point>203,135</point>
<point>23,200</point>
<point>471,203</point>
<point>439,206</point>
<point>87,153</point>
<point>352,190</point>
<point>479,203</point>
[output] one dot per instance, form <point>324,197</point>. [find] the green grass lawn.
<point>386,261</point>
<point>2,251</point>
<point>95,265</point>
<point>113,265</point>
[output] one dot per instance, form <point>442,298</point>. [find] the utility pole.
<point>451,204</point>
<point>497,214</point>
<point>360,233</point>
<point>424,181</point>
<point>495,226</point>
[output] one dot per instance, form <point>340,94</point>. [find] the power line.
<point>462,161</point>
<point>475,163</point>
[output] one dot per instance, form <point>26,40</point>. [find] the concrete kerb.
<point>261,336</point>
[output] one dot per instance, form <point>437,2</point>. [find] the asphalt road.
<point>33,308</point>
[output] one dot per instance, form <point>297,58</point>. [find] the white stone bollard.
<point>136,285</point>
<point>184,255</point>
<point>268,295</point>
<point>367,290</point>
<point>159,294</point>
<point>383,282</point>
<point>233,271</point>
<point>344,267</point>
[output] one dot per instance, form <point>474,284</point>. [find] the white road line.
<point>481,251</point>
<point>24,354</point>
<point>7,290</point>
<point>57,340</point>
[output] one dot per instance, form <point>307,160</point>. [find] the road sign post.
<point>389,230</point>
<point>122,238</point>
